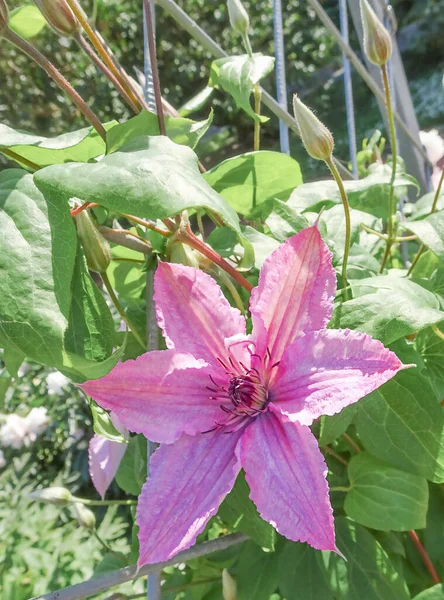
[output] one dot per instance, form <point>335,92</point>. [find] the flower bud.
<point>238,16</point>
<point>182,254</point>
<point>95,246</point>
<point>59,16</point>
<point>122,237</point>
<point>4,16</point>
<point>53,495</point>
<point>229,591</point>
<point>377,40</point>
<point>85,517</point>
<point>317,139</point>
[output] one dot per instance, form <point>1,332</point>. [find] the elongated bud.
<point>52,495</point>
<point>229,591</point>
<point>59,16</point>
<point>95,246</point>
<point>377,40</point>
<point>238,16</point>
<point>4,16</point>
<point>85,517</point>
<point>317,139</point>
<point>122,237</point>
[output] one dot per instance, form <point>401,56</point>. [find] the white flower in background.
<point>434,145</point>
<point>2,460</point>
<point>55,383</point>
<point>18,431</point>
<point>23,369</point>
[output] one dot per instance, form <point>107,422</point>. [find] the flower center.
<point>247,394</point>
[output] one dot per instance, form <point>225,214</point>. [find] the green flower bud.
<point>59,16</point>
<point>238,17</point>
<point>53,495</point>
<point>85,517</point>
<point>317,139</point>
<point>4,16</point>
<point>229,591</point>
<point>182,254</point>
<point>95,246</point>
<point>377,40</point>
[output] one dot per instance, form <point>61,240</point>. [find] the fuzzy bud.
<point>85,517</point>
<point>53,495</point>
<point>95,246</point>
<point>239,19</point>
<point>59,16</point>
<point>229,591</point>
<point>377,40</point>
<point>317,139</point>
<point>4,16</point>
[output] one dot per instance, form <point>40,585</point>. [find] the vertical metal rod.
<point>148,88</point>
<point>281,84</point>
<point>348,88</point>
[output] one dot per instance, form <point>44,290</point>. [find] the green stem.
<point>88,502</point>
<point>257,123</point>
<point>340,488</point>
<point>120,309</point>
<point>392,200</point>
<point>200,225</point>
<point>103,543</point>
<point>334,171</point>
<point>351,442</point>
<point>373,231</point>
<point>438,331</point>
<point>20,159</point>
<point>432,210</point>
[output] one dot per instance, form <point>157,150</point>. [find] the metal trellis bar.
<point>281,84</point>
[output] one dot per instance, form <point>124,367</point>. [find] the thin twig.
<point>425,557</point>
<point>351,442</point>
<point>333,453</point>
<point>20,159</point>
<point>154,69</point>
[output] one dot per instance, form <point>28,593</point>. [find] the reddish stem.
<point>425,557</point>
<point>351,442</point>
<point>79,209</point>
<point>154,69</point>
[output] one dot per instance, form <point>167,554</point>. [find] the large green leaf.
<point>431,348</point>
<point>248,180</point>
<point>388,307</point>
<point>430,231</point>
<point>370,194</point>
<point>302,574</point>
<point>434,531</point>
<point>385,498</point>
<point>283,221</point>
<point>434,593</point>
<point>37,253</point>
<point>78,146</point>
<point>402,424</point>
<point>334,218</point>
<point>148,177</point>
<point>238,75</point>
<point>423,206</point>
<point>180,130</point>
<point>334,426</point>
<point>27,21</point>
<point>257,573</point>
<point>239,512</point>
<point>368,573</point>
<point>196,102</point>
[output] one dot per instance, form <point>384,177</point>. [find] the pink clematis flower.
<point>219,400</point>
<point>105,457</point>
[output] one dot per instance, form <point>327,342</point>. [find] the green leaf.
<point>434,593</point>
<point>103,425</point>
<point>78,146</point>
<point>128,279</point>
<point>370,194</point>
<point>239,512</point>
<point>111,562</point>
<point>237,75</point>
<point>149,177</point>
<point>81,369</point>
<point>179,130</point>
<point>257,573</point>
<point>283,221</point>
<point>5,382</point>
<point>196,102</point>
<point>262,244</point>
<point>402,424</point>
<point>434,531</point>
<point>27,21</point>
<point>13,359</point>
<point>388,307</point>
<point>385,498</point>
<point>90,332</point>
<point>334,218</point>
<point>334,426</point>
<point>132,471</point>
<point>431,348</point>
<point>302,574</point>
<point>368,573</point>
<point>37,253</point>
<point>249,180</point>
<point>430,231</point>
<point>422,207</point>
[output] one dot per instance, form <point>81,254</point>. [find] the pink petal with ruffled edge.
<point>105,457</point>
<point>193,313</point>
<point>187,483</point>
<point>295,294</point>
<point>286,473</point>
<point>325,371</point>
<point>161,394</point>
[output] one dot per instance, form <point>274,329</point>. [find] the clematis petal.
<point>286,474</point>
<point>297,284</point>
<point>193,313</point>
<point>327,370</point>
<point>105,457</point>
<point>161,394</point>
<point>187,483</point>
